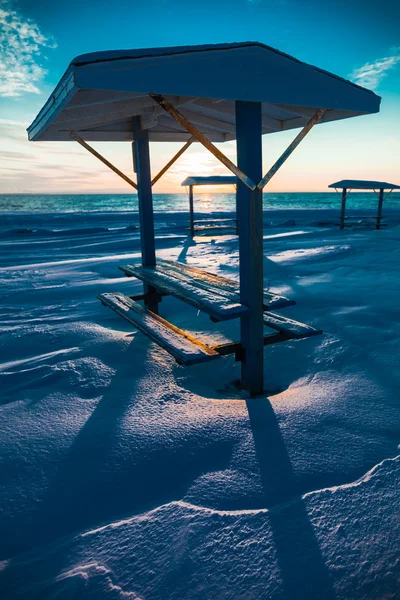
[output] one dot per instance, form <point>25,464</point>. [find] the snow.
<point>124,475</point>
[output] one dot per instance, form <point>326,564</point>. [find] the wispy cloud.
<point>21,47</point>
<point>370,75</point>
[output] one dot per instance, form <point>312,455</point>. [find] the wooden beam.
<point>191,210</point>
<point>224,107</point>
<point>93,97</point>
<point>141,159</point>
<point>101,109</point>
<point>343,208</point>
<point>172,161</point>
<point>317,116</point>
<point>380,205</point>
<point>212,122</point>
<point>250,222</point>
<point>179,118</point>
<point>82,142</point>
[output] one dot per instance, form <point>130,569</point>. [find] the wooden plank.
<point>214,221</point>
<point>290,149</point>
<point>186,349</point>
<point>82,142</point>
<point>172,161</point>
<point>217,306</point>
<point>214,228</point>
<point>190,128</point>
<point>221,285</point>
<point>216,284</point>
<point>294,329</point>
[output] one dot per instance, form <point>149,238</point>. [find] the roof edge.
<point>174,50</point>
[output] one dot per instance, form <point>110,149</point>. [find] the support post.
<point>77,138</point>
<point>343,208</point>
<point>172,161</point>
<point>141,152</point>
<point>191,210</point>
<point>249,215</point>
<point>380,205</point>
<point>290,149</point>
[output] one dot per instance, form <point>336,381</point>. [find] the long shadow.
<point>303,571</point>
<point>111,472</point>
<point>188,243</point>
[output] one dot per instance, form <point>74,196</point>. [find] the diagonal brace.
<point>186,124</point>
<point>82,142</point>
<point>314,119</point>
<point>172,161</point>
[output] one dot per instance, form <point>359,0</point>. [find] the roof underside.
<point>101,92</point>
<point>212,180</point>
<point>364,184</point>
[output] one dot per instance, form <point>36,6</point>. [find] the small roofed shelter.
<point>206,94</point>
<point>194,180</point>
<point>379,187</point>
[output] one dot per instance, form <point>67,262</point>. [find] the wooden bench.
<point>206,228</point>
<point>292,329</point>
<point>213,284</point>
<point>215,295</point>
<point>204,225</point>
<point>219,307</point>
<point>186,349</point>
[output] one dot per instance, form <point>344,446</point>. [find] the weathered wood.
<point>380,206</point>
<point>217,306</point>
<point>343,208</point>
<point>172,161</point>
<point>200,137</point>
<point>295,329</point>
<point>214,221</point>
<point>191,210</point>
<point>106,162</point>
<point>250,224</point>
<point>141,155</point>
<point>216,284</point>
<point>186,349</point>
<point>314,119</point>
<point>214,228</point>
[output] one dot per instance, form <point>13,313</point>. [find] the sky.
<point>356,39</point>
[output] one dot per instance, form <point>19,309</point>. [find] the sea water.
<point>173,203</point>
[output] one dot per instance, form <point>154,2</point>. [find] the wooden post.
<point>141,156</point>
<point>380,205</point>
<point>191,210</point>
<point>343,208</point>
<point>249,215</point>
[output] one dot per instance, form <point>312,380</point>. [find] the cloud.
<point>370,75</point>
<point>21,46</point>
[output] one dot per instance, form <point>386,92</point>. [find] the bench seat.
<point>214,284</point>
<point>196,222</point>
<point>289,327</point>
<point>186,349</point>
<point>213,228</point>
<point>220,307</point>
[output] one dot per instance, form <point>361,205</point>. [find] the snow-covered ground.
<point>126,476</point>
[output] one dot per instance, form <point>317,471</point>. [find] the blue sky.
<point>356,39</point>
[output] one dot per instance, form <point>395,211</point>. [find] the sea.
<point>173,203</point>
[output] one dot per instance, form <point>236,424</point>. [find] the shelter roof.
<point>100,93</point>
<point>361,184</point>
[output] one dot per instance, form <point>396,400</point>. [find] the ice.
<point>124,475</point>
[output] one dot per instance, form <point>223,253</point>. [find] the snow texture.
<point>126,476</point>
